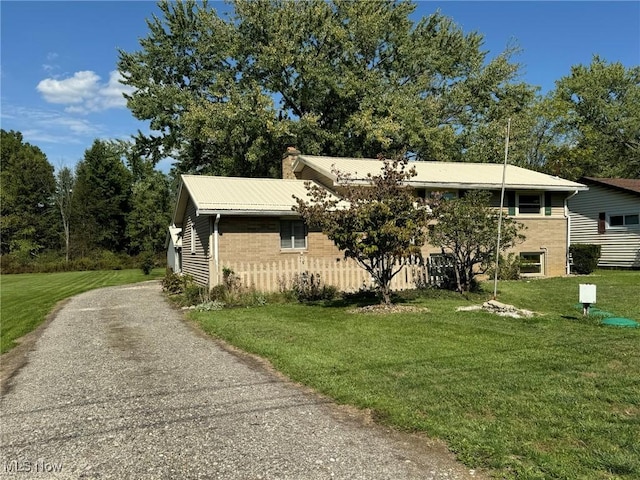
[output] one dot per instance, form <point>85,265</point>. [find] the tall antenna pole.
<point>504,173</point>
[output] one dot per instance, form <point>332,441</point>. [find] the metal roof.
<point>443,175</point>
<point>238,196</point>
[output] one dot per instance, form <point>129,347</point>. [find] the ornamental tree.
<point>378,224</point>
<point>467,229</point>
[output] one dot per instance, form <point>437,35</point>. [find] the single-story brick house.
<point>247,224</point>
<point>609,215</point>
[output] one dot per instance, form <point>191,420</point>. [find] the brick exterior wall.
<point>257,239</point>
<point>551,233</point>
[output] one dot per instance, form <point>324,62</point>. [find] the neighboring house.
<point>174,249</point>
<point>248,226</point>
<point>609,215</point>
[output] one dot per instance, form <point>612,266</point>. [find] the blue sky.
<point>59,84</point>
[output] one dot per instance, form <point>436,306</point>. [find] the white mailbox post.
<point>587,296</point>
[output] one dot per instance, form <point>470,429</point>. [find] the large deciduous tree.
<point>378,225</point>
<point>590,124</point>
<point>26,185</point>
<point>339,77</point>
<point>467,229</point>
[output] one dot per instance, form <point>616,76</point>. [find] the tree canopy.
<point>589,125</point>
<point>467,230</point>
<point>26,185</point>
<point>344,78</point>
<point>101,199</point>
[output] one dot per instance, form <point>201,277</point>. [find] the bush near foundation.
<point>585,258</point>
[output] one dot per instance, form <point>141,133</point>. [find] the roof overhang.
<point>615,184</point>
<point>476,186</point>
<point>320,165</point>
<point>247,213</point>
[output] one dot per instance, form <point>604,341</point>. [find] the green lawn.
<point>26,299</point>
<point>553,397</point>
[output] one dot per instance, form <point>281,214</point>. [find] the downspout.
<point>216,248</point>
<point>568,217</point>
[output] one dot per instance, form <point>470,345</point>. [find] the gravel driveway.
<point>119,386</point>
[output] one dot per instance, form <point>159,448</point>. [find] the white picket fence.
<point>346,275</point>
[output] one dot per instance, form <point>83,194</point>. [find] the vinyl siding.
<point>620,246</point>
<point>196,263</point>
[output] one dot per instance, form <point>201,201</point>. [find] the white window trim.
<point>193,239</point>
<point>542,205</point>
<point>542,264</point>
<point>292,248</point>
<point>624,226</point>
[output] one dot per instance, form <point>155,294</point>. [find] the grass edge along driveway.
<point>552,397</point>
<point>26,299</point>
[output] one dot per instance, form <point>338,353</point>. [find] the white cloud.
<point>112,94</point>
<point>77,89</point>
<point>84,93</point>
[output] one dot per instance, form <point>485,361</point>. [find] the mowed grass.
<point>26,299</point>
<point>552,397</point>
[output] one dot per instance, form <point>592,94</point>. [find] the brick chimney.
<point>288,158</point>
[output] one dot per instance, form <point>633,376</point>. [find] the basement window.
<point>293,235</point>
<point>531,263</point>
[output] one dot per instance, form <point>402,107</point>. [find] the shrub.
<point>230,280</point>
<point>231,292</point>
<point>147,262</point>
<point>219,292</point>
<point>194,294</point>
<point>183,289</point>
<point>585,257</point>
<point>508,268</point>
<point>175,283</point>
<point>308,286</point>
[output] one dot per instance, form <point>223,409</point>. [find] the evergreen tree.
<point>101,200</point>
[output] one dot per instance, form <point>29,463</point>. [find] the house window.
<point>293,234</point>
<point>624,220</point>
<point>531,263</point>
<point>529,204</point>
<point>441,194</point>
<point>193,238</point>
